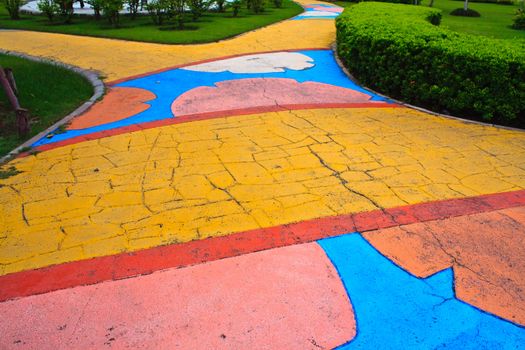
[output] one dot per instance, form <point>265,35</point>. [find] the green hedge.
<point>395,49</point>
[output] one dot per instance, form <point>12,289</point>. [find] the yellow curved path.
<point>116,59</point>
<point>214,177</point>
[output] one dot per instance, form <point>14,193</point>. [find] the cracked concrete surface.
<point>209,178</point>
<point>485,251</point>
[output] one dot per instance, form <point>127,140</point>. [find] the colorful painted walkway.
<point>248,194</point>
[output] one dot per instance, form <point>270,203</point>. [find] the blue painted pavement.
<point>396,310</point>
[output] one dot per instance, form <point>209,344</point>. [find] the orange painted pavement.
<point>287,298</point>
<point>117,104</point>
<point>486,251</point>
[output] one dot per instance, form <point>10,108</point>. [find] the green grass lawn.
<point>495,20</point>
<point>49,92</point>
<point>210,27</point>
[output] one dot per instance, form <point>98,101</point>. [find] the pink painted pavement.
<point>249,93</point>
<point>285,298</point>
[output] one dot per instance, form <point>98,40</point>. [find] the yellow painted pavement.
<point>214,177</point>
<point>116,59</point>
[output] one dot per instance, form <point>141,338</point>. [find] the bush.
<point>220,5</point>
<point>13,8</point>
<point>278,3</point>
<point>519,20</point>
<point>49,8</point>
<point>256,6</point>
<point>197,8</point>
<point>133,7</point>
<point>236,6</point>
<point>408,2</point>
<point>395,50</point>
<point>158,11</point>
<point>65,9</point>
<point>465,13</point>
<point>111,9</point>
<point>96,5</point>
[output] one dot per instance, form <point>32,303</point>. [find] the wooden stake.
<point>11,79</point>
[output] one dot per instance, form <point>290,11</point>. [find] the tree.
<point>133,7</point>
<point>197,7</point>
<point>13,8</point>
<point>220,5</point>
<point>96,5</point>
<point>176,8</point>
<point>111,10</point>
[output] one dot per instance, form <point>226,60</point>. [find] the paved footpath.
<point>247,194</point>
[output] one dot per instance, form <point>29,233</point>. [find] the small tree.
<point>176,9</point>
<point>236,6</point>
<point>519,19</point>
<point>96,5</point>
<point>197,8</point>
<point>158,10</point>
<point>48,8</point>
<point>220,5</point>
<point>111,9</point>
<point>256,6</point>
<point>13,8</point>
<point>133,7</point>
<point>65,9</point>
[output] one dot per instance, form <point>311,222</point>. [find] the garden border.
<point>408,105</point>
<point>98,91</point>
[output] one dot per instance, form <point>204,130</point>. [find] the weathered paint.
<point>311,77</point>
<point>215,177</point>
<point>196,252</point>
<point>397,310</point>
<point>485,250</point>
<point>119,103</point>
<point>288,298</point>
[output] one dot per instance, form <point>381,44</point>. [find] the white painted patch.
<point>319,14</point>
<point>261,63</point>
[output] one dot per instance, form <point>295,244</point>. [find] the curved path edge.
<point>146,261</point>
<point>90,75</point>
<point>408,105</point>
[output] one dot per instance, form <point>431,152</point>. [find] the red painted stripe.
<point>202,116</point>
<point>118,81</point>
<point>146,261</point>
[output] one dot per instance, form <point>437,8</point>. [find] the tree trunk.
<point>465,5</point>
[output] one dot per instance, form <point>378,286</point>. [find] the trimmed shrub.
<point>465,13</point>
<point>395,49</point>
<point>519,20</point>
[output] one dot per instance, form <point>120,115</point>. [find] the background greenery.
<point>212,26</point>
<point>395,49</point>
<point>49,92</point>
<point>495,20</point>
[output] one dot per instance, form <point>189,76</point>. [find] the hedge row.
<point>396,50</point>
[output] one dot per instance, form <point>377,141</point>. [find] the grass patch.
<point>8,172</point>
<point>495,21</point>
<point>49,92</point>
<point>212,26</point>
